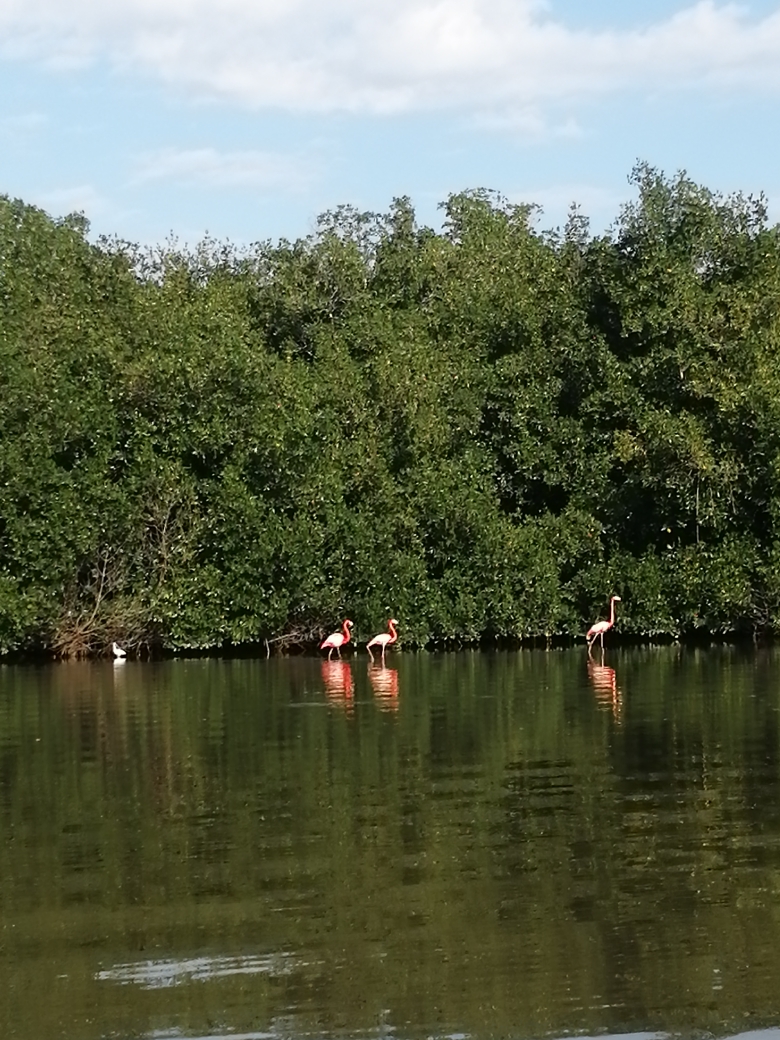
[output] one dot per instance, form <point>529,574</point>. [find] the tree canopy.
<point>483,431</point>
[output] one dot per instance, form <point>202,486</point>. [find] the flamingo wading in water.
<point>337,639</point>
<point>598,630</point>
<point>384,639</point>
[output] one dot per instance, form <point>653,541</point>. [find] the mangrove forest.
<point>484,431</point>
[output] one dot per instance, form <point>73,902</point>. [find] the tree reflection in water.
<point>222,848</point>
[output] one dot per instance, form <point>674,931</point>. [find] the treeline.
<point>483,431</point>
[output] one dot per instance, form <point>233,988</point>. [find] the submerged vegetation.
<point>483,431</point>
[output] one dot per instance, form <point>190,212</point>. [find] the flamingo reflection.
<point>384,683</point>
<point>338,682</point>
<point>604,682</point>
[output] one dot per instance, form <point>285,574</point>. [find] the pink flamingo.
<point>602,626</point>
<point>384,639</point>
<point>337,639</point>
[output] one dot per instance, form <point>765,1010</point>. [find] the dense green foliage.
<point>483,431</point>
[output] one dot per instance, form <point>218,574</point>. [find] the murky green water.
<point>503,845</point>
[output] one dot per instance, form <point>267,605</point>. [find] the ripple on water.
<point>160,974</point>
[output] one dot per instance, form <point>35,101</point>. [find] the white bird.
<point>117,650</point>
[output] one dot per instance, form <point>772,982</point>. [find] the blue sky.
<point>245,119</point>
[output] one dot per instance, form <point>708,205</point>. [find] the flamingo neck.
<point>345,626</point>
<point>612,612</point>
<point>393,633</point>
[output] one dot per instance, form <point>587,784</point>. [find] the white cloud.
<point>531,124</point>
<point>81,198</point>
<point>23,122</point>
<point>19,129</point>
<point>395,55</point>
<point>599,204</point>
<point>210,168</point>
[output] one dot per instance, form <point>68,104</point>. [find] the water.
<point>468,845</point>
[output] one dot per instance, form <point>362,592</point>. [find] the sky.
<point>246,119</point>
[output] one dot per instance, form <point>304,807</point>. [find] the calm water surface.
<point>468,845</point>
